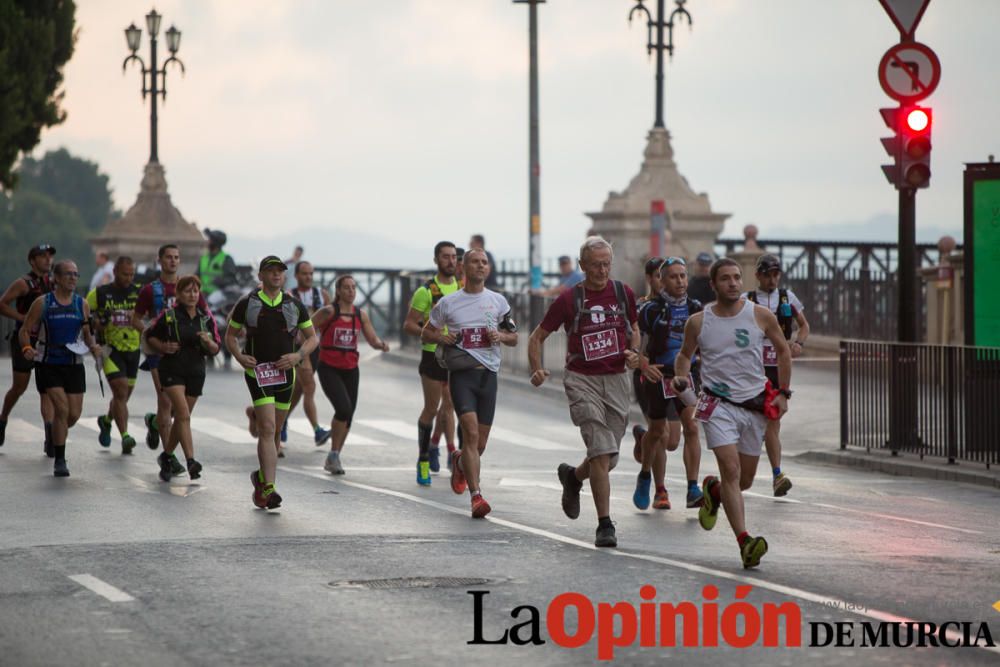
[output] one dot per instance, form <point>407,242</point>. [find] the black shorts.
<point>474,390</point>
<point>639,386</point>
<point>314,359</point>
<point>771,372</point>
<point>17,360</point>
<point>279,395</point>
<point>120,364</point>
<point>192,379</point>
<point>666,408</point>
<point>72,378</point>
<point>430,368</point>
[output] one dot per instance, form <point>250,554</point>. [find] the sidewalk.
<point>810,431</point>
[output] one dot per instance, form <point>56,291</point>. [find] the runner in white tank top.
<point>729,336</point>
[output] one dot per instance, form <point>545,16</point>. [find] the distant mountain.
<point>880,228</point>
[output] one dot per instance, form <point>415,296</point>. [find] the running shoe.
<point>661,500</point>
<point>451,450</point>
<point>258,490</point>
<point>271,498</point>
<point>571,490</point>
<point>104,431</point>
<point>194,469</point>
<point>752,551</point>
<point>480,508</point>
<point>458,483</point>
<point>709,511</point>
<point>637,433</point>
<point>434,454</point>
<point>606,536</point>
<point>152,434</point>
<point>252,419</point>
<point>332,464</point>
<point>694,497</point>
<point>321,436</point>
<point>782,485</point>
<point>165,469</point>
<point>60,469</point>
<point>640,498</point>
<point>284,431</point>
<point>281,452</point>
<point>176,467</point>
<point>128,444</point>
<point>3,431</point>
<point>423,473</point>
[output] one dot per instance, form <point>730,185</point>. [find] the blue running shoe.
<point>694,497</point>
<point>434,453</point>
<point>423,473</point>
<point>641,496</point>
<point>104,435</point>
<point>321,436</point>
<point>284,431</point>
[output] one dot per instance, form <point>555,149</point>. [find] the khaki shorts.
<point>599,405</point>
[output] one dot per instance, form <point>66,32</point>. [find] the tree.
<point>36,40</point>
<point>72,181</point>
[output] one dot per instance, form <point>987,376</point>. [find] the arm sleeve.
<point>92,301</point>
<point>644,317</point>
<point>238,318</point>
<point>421,301</point>
<point>794,300</point>
<point>144,302</point>
<point>630,301</point>
<point>305,321</point>
<point>439,315</point>
<point>559,312</point>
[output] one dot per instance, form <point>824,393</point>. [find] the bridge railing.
<point>933,400</point>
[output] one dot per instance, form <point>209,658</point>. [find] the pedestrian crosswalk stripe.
<point>90,423</point>
<point>21,429</point>
<point>216,428</point>
<point>407,431</point>
<point>302,426</point>
<point>396,427</point>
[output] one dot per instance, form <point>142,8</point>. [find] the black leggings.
<point>341,388</point>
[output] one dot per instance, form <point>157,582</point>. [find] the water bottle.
<point>685,393</point>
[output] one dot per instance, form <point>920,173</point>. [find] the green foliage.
<point>36,40</point>
<point>61,200</point>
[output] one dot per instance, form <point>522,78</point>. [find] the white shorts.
<point>733,425</point>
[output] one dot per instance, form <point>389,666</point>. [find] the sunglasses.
<point>44,246</point>
<point>670,261</point>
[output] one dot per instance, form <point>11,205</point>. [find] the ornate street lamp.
<point>660,46</point>
<point>157,77</point>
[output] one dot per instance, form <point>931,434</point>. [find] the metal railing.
<point>848,288</point>
<point>932,400</point>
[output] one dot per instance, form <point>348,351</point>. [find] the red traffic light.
<point>918,120</point>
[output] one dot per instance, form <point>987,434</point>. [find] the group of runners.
<point>721,369</point>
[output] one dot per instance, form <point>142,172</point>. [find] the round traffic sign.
<point>909,72</point>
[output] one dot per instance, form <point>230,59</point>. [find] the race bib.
<point>121,318</point>
<point>668,387</point>
<point>269,375</point>
<point>476,338</point>
<point>345,338</point>
<point>770,356</point>
<point>706,406</point>
<point>600,345</point>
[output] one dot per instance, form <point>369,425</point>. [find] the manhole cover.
<point>412,582</point>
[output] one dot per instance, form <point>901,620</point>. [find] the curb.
<point>894,466</point>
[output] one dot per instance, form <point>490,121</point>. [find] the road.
<point>113,567</point>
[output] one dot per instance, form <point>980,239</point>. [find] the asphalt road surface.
<point>113,567</point>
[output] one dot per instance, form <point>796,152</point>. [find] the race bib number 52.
<point>269,375</point>
<point>600,345</point>
<point>475,338</point>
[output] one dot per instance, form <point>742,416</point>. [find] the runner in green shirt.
<point>112,306</point>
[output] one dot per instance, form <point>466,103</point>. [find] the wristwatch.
<point>786,392</point>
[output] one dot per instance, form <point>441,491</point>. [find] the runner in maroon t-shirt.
<point>602,338</point>
<point>158,423</point>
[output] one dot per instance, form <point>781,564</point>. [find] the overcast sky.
<point>407,119</point>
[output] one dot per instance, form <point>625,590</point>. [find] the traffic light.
<point>911,147</point>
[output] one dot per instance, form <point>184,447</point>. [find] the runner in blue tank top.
<point>61,318</point>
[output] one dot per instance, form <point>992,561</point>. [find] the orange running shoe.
<point>661,500</point>
<point>458,483</point>
<point>480,508</point>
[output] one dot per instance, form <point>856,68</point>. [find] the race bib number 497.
<point>600,345</point>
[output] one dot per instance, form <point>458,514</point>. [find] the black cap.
<point>768,263</point>
<point>652,264</point>
<point>41,249</point>
<point>704,258</point>
<point>272,260</point>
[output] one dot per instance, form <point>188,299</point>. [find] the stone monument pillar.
<point>747,258</point>
<point>149,223</point>
<point>624,220</point>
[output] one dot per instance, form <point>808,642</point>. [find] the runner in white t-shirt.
<point>478,321</point>
<point>734,405</point>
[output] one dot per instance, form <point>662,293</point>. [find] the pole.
<point>906,266</point>
<point>153,73</point>
<point>659,64</point>
<point>535,222</point>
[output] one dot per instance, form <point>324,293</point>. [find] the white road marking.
<point>396,427</point>
<point>790,591</point>
<point>104,589</point>
<point>90,423</point>
<point>22,429</point>
<point>225,431</point>
<point>531,442</point>
<point>302,426</point>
